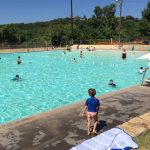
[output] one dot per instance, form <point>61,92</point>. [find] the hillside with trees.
<point>102,26</point>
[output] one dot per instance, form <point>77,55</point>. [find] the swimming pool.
<point>52,79</point>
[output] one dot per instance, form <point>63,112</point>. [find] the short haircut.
<point>92,92</point>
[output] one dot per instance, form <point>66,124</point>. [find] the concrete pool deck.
<point>26,50</point>
<point>62,128</point>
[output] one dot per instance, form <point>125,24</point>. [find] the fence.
<point>77,42</point>
<point>111,41</point>
<point>24,45</point>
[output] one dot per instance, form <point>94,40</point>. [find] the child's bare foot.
<point>94,132</point>
<point>89,133</point>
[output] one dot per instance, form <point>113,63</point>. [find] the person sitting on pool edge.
<point>19,60</point>
<point>111,83</point>
<point>16,78</point>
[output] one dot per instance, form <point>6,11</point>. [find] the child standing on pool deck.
<point>92,106</point>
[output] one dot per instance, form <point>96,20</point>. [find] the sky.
<point>27,11</point>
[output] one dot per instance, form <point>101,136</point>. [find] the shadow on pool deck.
<point>63,128</point>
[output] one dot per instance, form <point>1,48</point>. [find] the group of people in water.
<point>124,55</point>
<point>111,83</point>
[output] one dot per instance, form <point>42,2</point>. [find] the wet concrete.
<point>63,128</point>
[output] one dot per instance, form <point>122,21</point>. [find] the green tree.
<point>144,26</point>
<point>102,25</point>
<point>10,34</point>
<point>105,20</point>
<point>146,12</point>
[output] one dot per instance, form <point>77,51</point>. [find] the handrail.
<point>144,76</point>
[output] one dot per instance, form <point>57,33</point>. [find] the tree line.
<point>102,26</point>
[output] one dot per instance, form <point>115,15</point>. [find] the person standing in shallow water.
<point>92,105</point>
<point>124,54</point>
<point>133,48</point>
<point>19,60</point>
<point>81,54</point>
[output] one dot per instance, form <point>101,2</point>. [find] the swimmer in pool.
<point>141,70</point>
<point>74,60</point>
<point>16,78</point>
<point>111,83</point>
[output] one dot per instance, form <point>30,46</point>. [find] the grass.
<point>143,141</point>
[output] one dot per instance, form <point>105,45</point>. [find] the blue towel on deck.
<point>113,139</point>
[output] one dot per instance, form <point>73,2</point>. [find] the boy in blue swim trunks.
<point>92,107</point>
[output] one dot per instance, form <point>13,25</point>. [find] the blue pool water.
<point>51,79</point>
